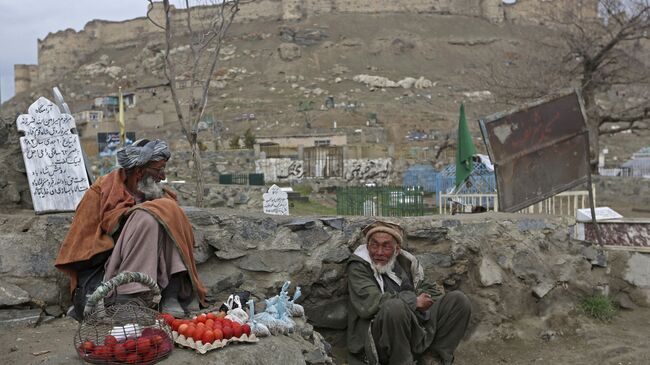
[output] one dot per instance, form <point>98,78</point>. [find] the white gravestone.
<point>53,159</point>
<point>276,201</point>
<point>602,214</point>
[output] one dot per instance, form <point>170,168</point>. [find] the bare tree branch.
<point>204,40</point>
<point>149,10</point>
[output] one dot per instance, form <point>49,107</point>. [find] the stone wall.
<point>24,76</point>
<point>365,171</point>
<point>524,11</point>
<point>511,266</point>
<point>283,170</point>
<point>540,11</point>
<point>14,188</point>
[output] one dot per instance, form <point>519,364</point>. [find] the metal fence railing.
<point>380,201</point>
<point>564,204</point>
<point>241,179</point>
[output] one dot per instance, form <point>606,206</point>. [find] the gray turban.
<point>142,152</point>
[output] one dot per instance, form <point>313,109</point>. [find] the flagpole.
<point>121,118</point>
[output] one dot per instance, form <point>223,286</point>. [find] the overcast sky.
<point>22,22</point>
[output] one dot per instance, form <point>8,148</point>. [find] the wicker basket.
<point>122,333</point>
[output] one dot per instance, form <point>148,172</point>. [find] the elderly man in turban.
<point>127,221</point>
<point>395,315</point>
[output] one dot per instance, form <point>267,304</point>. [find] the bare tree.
<point>603,49</point>
<point>595,53</point>
<point>203,31</point>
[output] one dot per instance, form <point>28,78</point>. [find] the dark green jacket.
<point>366,293</point>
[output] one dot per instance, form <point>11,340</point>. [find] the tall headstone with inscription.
<point>53,158</point>
<point>276,201</point>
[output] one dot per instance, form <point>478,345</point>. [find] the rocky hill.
<point>397,72</point>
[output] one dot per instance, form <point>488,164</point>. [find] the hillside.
<point>268,67</point>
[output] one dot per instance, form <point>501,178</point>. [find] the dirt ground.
<point>623,341</point>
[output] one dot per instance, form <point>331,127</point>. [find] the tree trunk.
<point>593,121</point>
<point>198,170</point>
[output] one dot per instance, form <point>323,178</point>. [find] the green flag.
<point>464,149</point>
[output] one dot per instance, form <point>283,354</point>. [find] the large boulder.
<point>29,245</point>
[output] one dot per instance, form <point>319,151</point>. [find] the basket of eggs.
<point>123,333</point>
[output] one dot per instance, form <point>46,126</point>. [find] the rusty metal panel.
<point>539,150</point>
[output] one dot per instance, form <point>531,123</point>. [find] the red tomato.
<point>109,351</point>
<point>182,328</point>
<point>247,329</point>
<point>130,345</point>
<point>198,333</point>
<point>218,335</point>
<point>208,337</point>
<point>227,332</point>
<point>100,352</point>
<point>148,356</point>
<point>110,341</point>
<point>132,358</point>
<point>176,323</point>
<point>87,347</point>
<point>119,352</point>
<point>143,345</point>
<point>189,332</point>
<point>168,318</point>
<point>156,340</point>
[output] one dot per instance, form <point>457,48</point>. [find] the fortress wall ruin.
<point>65,50</point>
<point>24,76</point>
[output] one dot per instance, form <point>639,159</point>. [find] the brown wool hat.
<point>392,229</point>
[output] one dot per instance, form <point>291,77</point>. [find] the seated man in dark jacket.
<point>395,315</point>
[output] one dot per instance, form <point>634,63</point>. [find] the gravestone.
<point>602,213</point>
<point>53,158</point>
<point>276,201</point>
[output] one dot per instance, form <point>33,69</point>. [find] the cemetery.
<point>250,196</point>
<point>556,261</point>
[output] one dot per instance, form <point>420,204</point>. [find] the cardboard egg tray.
<point>202,348</point>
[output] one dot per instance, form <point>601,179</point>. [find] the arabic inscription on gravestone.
<point>53,159</point>
<point>276,201</point>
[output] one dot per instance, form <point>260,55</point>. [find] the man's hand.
<point>423,302</point>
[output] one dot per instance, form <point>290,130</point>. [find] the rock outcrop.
<point>511,266</point>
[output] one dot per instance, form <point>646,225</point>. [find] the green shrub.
<point>249,139</point>
<point>234,143</point>
<point>599,306</point>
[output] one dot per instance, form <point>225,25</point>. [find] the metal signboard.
<point>539,150</point>
<point>109,142</point>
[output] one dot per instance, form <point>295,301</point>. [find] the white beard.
<point>388,267</point>
<point>150,188</point>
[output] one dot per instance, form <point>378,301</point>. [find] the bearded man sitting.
<point>127,221</point>
<point>396,315</point>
